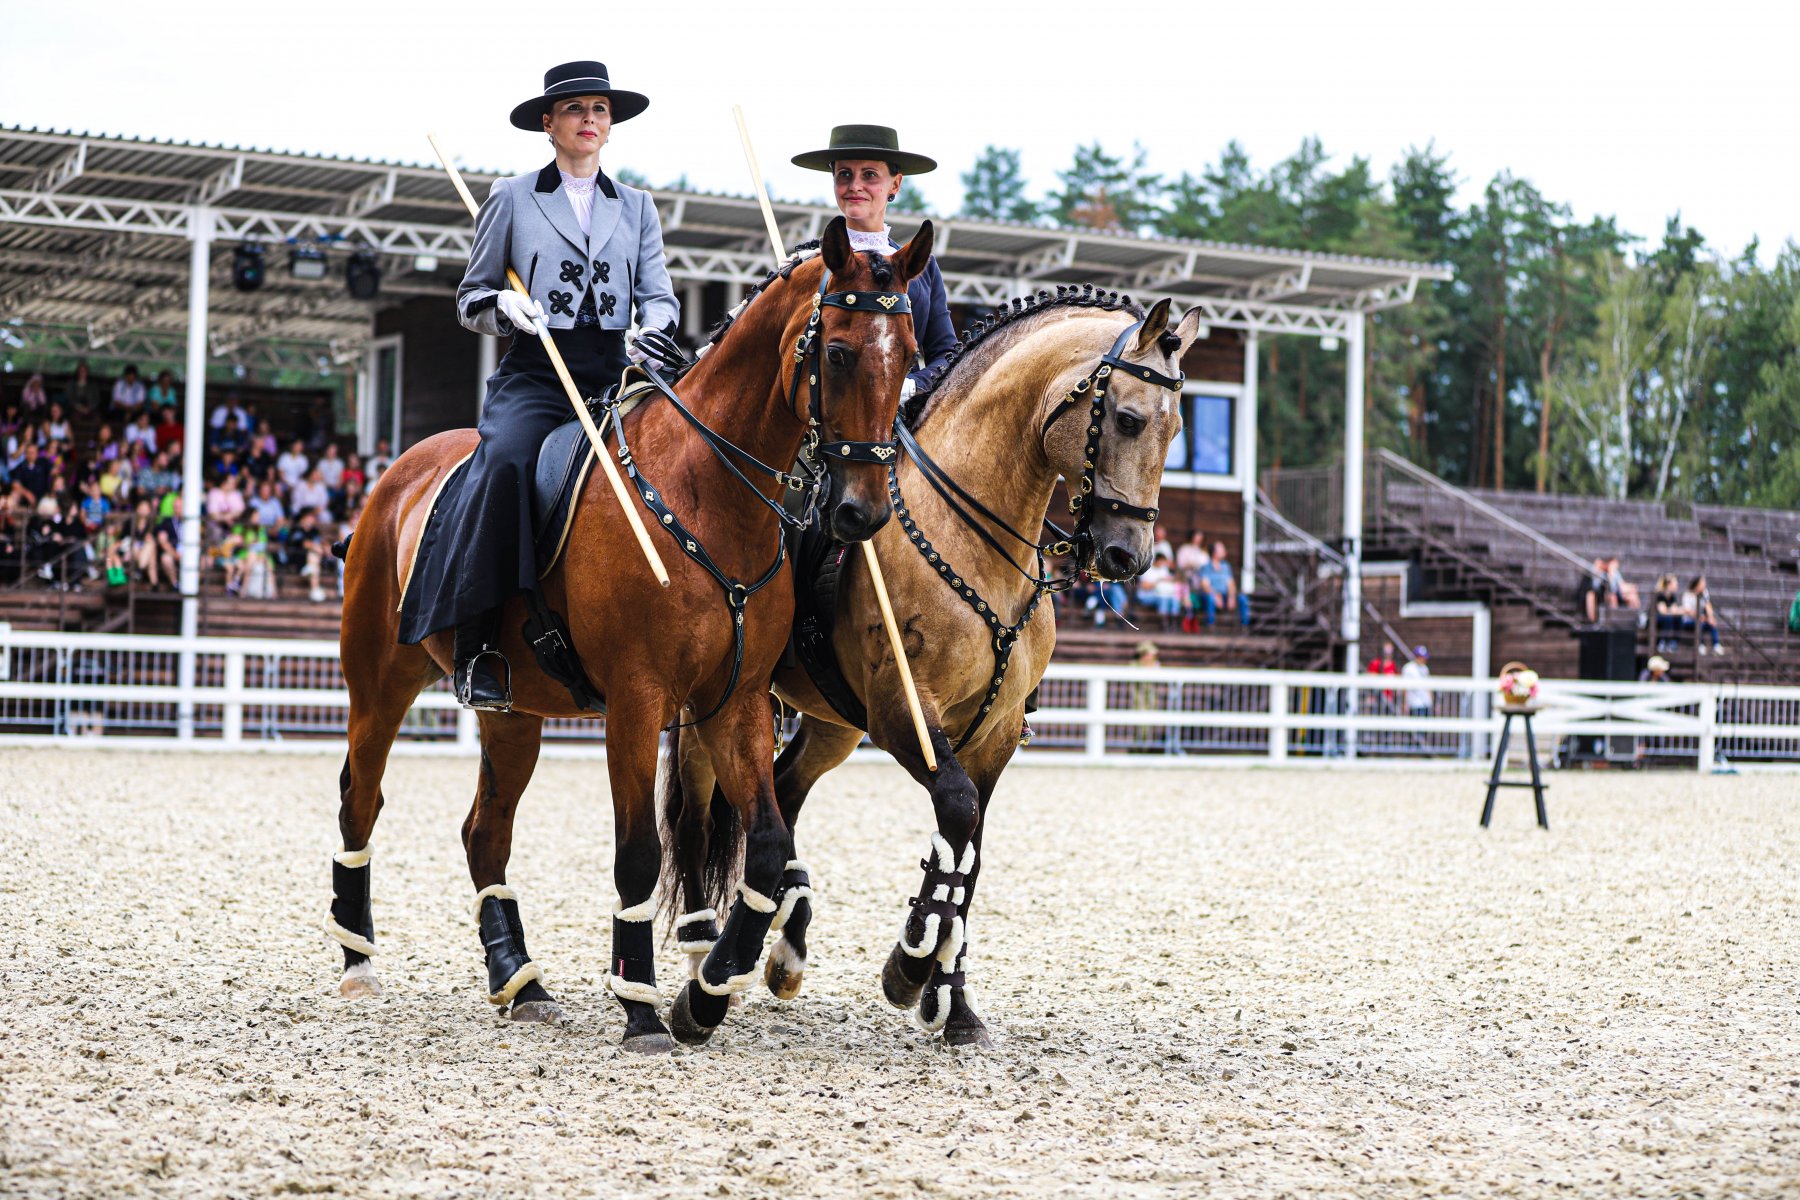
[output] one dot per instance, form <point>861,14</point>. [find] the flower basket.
<point>1518,686</point>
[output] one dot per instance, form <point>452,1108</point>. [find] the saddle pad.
<point>563,464</point>
<point>818,564</point>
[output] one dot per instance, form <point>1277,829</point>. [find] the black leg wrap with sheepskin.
<point>352,922</point>
<point>935,922</point>
<point>794,892</point>
<point>697,932</point>
<point>633,961</point>
<point>729,968</point>
<point>509,966</point>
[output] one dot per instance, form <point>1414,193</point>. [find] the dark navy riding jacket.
<point>931,319</point>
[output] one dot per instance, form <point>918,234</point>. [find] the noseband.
<point>806,361</point>
<point>1085,500</point>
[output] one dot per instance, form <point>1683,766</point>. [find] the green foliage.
<point>908,200</point>
<point>994,188</point>
<point>1105,191</point>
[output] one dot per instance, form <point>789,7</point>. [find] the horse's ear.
<point>834,246</point>
<point>1189,329</point>
<point>1155,322</point>
<point>912,257</point>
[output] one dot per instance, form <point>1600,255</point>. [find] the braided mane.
<point>1009,318</point>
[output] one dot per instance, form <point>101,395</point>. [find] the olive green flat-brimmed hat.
<point>865,141</point>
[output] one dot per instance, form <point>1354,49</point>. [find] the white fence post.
<point>233,731</point>
<point>1096,720</point>
<point>1709,724</point>
<point>1278,712</point>
<point>468,735</point>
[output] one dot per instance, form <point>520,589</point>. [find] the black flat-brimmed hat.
<point>865,141</point>
<point>578,79</point>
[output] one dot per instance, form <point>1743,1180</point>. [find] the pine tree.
<point>994,188</point>
<point>1104,191</point>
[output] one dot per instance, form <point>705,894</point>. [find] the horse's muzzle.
<point>858,520</point>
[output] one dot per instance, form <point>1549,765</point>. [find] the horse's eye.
<point>836,356</point>
<point>1129,425</point>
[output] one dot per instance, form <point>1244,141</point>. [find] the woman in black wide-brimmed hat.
<point>589,249</point>
<point>867,169</point>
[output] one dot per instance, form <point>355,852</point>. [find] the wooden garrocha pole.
<point>627,501</point>
<point>868,546</point>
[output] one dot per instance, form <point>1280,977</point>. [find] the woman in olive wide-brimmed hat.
<point>867,168</point>
<point>590,251</point>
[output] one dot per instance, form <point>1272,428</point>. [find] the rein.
<point>806,358</point>
<point>1078,542</point>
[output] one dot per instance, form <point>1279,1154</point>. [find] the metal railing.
<point>86,689</point>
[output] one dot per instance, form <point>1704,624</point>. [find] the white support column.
<point>487,358</point>
<point>1246,437</point>
<point>692,319</point>
<point>193,452</point>
<point>1353,491</point>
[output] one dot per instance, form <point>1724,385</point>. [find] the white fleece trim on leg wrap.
<point>625,989</point>
<point>968,859</point>
<point>498,891</point>
<point>346,939</point>
<point>946,857</point>
<point>928,939</point>
<point>953,945</point>
<point>521,977</point>
<point>352,858</point>
<point>936,1023</point>
<point>794,864</point>
<point>730,987</point>
<point>700,948</point>
<point>699,914</point>
<point>362,970</point>
<point>755,899</point>
<point>941,892</point>
<point>789,959</point>
<point>643,911</point>
<point>790,898</point>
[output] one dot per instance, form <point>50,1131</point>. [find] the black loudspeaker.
<point>1608,653</point>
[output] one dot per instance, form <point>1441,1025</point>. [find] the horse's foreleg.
<point>691,784</point>
<point>739,741</point>
<point>631,743</point>
<point>947,1004</point>
<point>381,692</point>
<point>817,748</point>
<point>509,754</point>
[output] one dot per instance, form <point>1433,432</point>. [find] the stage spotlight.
<point>307,262</point>
<point>247,267</point>
<point>362,275</point>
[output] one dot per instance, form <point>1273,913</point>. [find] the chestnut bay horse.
<point>1081,385</point>
<point>820,349</point>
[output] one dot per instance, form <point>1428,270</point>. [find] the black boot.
<point>482,676</point>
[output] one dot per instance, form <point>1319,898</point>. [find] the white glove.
<point>525,314</point>
<point>907,388</point>
<point>639,353</point>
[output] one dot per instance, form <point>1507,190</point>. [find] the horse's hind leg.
<point>817,748</point>
<point>632,729</point>
<point>382,686</point>
<point>509,754</point>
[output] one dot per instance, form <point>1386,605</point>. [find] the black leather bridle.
<point>806,361</point>
<point>976,516</point>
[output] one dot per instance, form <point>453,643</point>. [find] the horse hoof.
<point>359,983</point>
<point>785,971</point>
<point>682,1024</point>
<point>648,1043</point>
<point>968,1035</point>
<point>900,991</point>
<point>536,1012</point>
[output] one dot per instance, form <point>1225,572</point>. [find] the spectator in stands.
<point>1793,621</point>
<point>136,541</point>
<point>349,501</point>
<point>227,411</point>
<point>306,545</point>
<point>1697,614</point>
<point>11,421</point>
<point>169,433</point>
<point>56,424</point>
<point>106,445</point>
<point>1625,595</point>
<point>1383,663</point>
<point>32,473</point>
<point>229,436</point>
<point>141,433</point>
<point>263,446</point>
<point>165,556</point>
<point>293,465</point>
<point>1218,586</point>
<point>379,461</point>
<point>128,393</point>
<point>1159,591</point>
<point>1191,557</point>
<point>115,481</point>
<point>82,395</point>
<point>1162,546</point>
<point>224,503</point>
<point>95,507</point>
<point>162,392</point>
<point>1418,699</point>
<point>267,505</point>
<point>1655,671</point>
<point>1147,695</point>
<point>161,476</point>
<point>354,473</point>
<point>311,494</point>
<point>1668,614</point>
<point>34,400</point>
<point>330,468</point>
<point>27,434</point>
<point>1593,595</point>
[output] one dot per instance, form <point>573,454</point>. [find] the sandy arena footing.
<point>1255,983</point>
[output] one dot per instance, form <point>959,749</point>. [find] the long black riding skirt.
<point>477,549</point>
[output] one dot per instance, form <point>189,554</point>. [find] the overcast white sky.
<point>1639,110</point>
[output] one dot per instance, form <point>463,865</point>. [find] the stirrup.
<point>464,681</point>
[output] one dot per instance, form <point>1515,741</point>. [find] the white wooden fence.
<point>122,690</point>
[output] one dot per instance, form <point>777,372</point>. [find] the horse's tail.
<point>703,838</point>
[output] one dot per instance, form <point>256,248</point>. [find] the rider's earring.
<point>891,195</point>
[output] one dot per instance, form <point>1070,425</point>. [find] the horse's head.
<point>865,348</point>
<point>1113,453</point>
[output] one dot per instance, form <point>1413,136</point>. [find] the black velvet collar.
<point>550,178</point>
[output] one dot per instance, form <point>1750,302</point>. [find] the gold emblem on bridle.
<point>883,452</point>
<point>888,302</point>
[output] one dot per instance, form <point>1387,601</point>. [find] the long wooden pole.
<point>868,546</point>
<point>627,501</point>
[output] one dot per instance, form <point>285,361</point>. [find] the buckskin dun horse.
<point>1080,385</point>
<point>825,339</point>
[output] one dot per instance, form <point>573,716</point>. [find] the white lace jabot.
<point>881,243</point>
<point>581,197</point>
